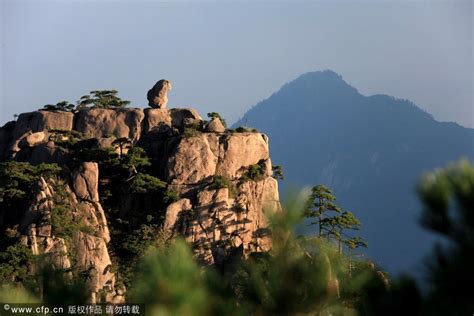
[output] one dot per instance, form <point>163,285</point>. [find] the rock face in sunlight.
<point>218,206</point>
<point>89,245</point>
<point>158,95</point>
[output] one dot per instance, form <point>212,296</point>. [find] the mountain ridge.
<point>370,149</point>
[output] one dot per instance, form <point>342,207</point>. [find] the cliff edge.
<point>122,172</point>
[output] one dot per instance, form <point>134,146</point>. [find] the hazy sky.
<point>227,56</point>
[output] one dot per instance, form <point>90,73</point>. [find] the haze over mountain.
<point>371,150</point>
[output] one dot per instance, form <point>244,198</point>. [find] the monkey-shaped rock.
<point>157,96</point>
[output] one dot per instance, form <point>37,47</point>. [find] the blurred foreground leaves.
<point>308,275</point>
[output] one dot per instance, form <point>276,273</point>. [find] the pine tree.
<point>105,99</point>
<point>332,221</point>
<point>60,106</point>
<point>320,208</point>
<point>122,143</point>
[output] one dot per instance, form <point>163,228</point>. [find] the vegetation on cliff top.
<point>102,99</point>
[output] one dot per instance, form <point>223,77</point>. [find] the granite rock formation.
<point>158,95</point>
<point>219,205</point>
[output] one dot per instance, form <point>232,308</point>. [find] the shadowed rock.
<point>158,95</point>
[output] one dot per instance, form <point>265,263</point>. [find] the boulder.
<point>192,160</point>
<point>32,139</point>
<point>195,159</point>
<point>39,121</point>
<point>173,211</point>
<point>239,151</point>
<point>85,181</point>
<point>215,126</point>
<point>156,118</point>
<point>181,118</point>
<point>99,123</point>
<point>158,95</point>
<point>43,121</point>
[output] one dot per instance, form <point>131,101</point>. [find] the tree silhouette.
<point>332,221</point>
<point>105,99</point>
<point>122,143</point>
<point>319,208</point>
<point>278,172</point>
<point>60,106</point>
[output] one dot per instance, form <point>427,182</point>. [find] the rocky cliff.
<point>209,185</point>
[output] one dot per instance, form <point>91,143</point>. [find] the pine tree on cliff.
<point>319,207</point>
<point>60,106</point>
<point>332,221</point>
<point>122,143</point>
<point>105,99</point>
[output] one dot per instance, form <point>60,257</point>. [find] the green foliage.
<point>128,179</point>
<point>299,276</point>
<point>58,288</point>
<point>60,106</point>
<point>14,261</point>
<point>448,207</point>
<point>17,181</point>
<point>63,223</point>
<point>171,196</point>
<point>402,297</point>
<point>192,130</point>
<point>217,115</point>
<point>82,152</point>
<point>163,283</point>
<point>104,99</point>
<point>220,182</point>
<point>144,183</point>
<point>278,172</point>
<point>331,220</point>
<point>244,129</point>
<point>16,294</point>
<point>134,245</point>
<point>255,172</point>
<point>109,160</point>
<point>294,278</point>
<point>65,138</point>
<point>355,242</point>
<point>122,143</point>
<point>134,159</point>
<point>138,241</point>
<point>448,200</point>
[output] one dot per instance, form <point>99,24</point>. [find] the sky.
<point>226,56</point>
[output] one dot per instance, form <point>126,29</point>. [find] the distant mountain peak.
<point>321,82</point>
<point>327,73</point>
<point>369,149</point>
